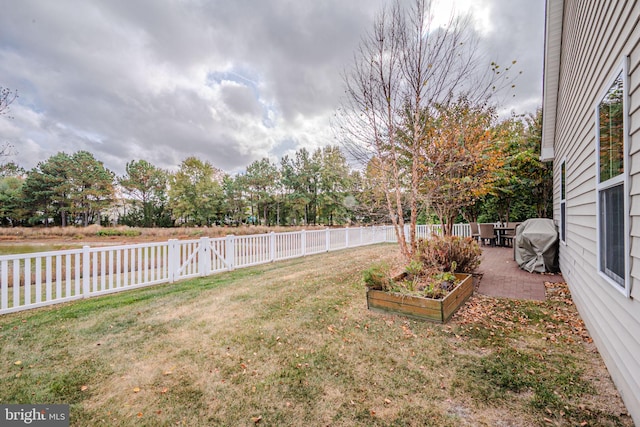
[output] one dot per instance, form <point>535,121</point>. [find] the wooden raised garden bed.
<point>437,310</point>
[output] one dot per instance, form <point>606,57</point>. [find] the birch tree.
<point>404,68</point>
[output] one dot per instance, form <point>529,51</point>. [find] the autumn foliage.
<point>449,253</point>
<point>461,158</point>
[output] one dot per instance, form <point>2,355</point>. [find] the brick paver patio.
<point>501,276</point>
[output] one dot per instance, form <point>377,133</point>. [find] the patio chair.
<point>475,231</point>
<point>487,234</point>
<point>510,234</point>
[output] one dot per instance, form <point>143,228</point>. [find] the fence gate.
<point>200,257</point>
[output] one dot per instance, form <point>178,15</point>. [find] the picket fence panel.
<point>38,279</point>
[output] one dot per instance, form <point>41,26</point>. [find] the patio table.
<point>501,232</point>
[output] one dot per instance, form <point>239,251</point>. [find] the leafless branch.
<point>403,72</point>
<point>7,96</point>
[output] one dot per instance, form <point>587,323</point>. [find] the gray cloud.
<point>226,81</point>
<point>518,34</point>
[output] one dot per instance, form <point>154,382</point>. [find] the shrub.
<point>118,232</point>
<point>449,253</point>
<point>414,268</point>
<point>377,277</point>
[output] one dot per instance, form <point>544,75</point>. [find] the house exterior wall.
<point>597,38</point>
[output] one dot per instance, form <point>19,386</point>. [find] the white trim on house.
<point>621,70</point>
<point>551,79</point>
<point>563,202</point>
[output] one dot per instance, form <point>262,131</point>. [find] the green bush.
<point>449,253</point>
<point>377,277</point>
<point>107,232</point>
<point>414,268</point>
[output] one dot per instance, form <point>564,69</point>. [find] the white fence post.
<point>86,272</point>
<point>204,258</point>
<point>172,260</point>
<point>4,284</point>
<point>272,246</point>
<point>230,249</point>
<point>346,237</point>
<point>303,242</point>
<point>327,237</point>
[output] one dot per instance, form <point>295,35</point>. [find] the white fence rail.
<point>39,279</point>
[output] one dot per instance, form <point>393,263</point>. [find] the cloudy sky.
<point>228,81</point>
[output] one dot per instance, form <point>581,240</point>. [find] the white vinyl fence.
<point>44,278</point>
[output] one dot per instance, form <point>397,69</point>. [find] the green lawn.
<point>292,343</point>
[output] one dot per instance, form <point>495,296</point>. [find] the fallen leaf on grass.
<point>256,420</point>
<point>136,389</point>
<point>84,388</point>
<point>17,362</point>
<point>407,331</point>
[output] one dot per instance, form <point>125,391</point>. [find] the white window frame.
<point>623,179</point>
<point>563,202</point>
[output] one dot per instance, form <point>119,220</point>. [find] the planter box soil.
<point>437,310</point>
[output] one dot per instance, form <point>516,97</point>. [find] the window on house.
<point>612,217</point>
<point>563,202</point>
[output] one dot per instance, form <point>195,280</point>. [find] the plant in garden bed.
<point>448,253</point>
<point>431,286</point>
<point>432,273</point>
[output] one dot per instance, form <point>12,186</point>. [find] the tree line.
<point>307,188</point>
<point>77,189</point>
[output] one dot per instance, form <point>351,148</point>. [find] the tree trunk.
<point>447,228</point>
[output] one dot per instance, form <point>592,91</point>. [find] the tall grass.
<point>9,234</point>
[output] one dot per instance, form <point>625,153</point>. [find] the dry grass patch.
<point>290,343</point>
<point>118,234</point>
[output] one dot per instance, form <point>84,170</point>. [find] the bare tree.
<point>7,96</point>
<point>403,69</point>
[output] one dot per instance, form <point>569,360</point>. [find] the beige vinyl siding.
<point>634,94</point>
<point>597,36</point>
<point>634,157</point>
